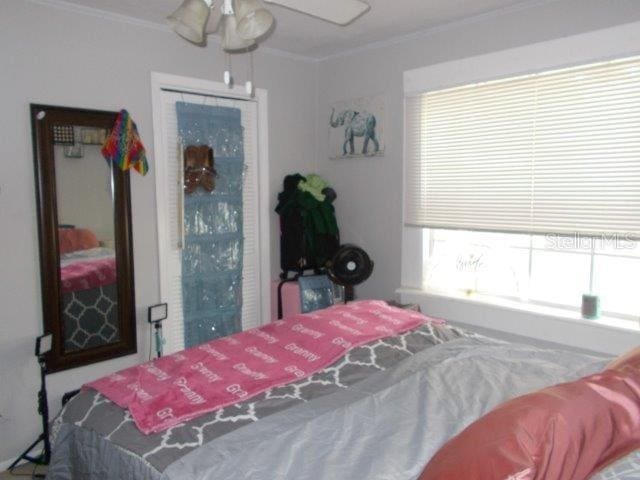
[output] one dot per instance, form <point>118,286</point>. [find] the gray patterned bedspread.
<point>90,317</point>
<point>379,413</point>
<point>627,468</point>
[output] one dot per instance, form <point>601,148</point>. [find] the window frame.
<point>558,327</point>
<point>429,240</point>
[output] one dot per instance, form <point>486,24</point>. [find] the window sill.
<point>607,335</point>
<point>559,313</point>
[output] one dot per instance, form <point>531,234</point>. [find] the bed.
<point>89,297</point>
<point>380,412</point>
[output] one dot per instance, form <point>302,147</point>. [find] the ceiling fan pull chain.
<point>227,73</point>
<point>249,84</point>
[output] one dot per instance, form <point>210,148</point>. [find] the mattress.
<point>87,269</point>
<point>378,413</point>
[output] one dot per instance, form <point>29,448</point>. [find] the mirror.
<point>86,255</point>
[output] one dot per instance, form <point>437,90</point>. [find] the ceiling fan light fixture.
<point>231,41</point>
<point>190,19</point>
<point>254,20</point>
<point>214,22</point>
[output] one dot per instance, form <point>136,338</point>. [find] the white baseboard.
<point>5,464</point>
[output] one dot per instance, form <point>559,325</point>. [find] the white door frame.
<point>164,81</point>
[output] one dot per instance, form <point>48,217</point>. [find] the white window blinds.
<point>555,152</point>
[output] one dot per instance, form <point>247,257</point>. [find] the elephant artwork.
<point>355,128</point>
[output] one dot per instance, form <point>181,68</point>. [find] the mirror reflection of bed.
<point>88,277</point>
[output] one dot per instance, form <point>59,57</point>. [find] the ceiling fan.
<point>245,22</point>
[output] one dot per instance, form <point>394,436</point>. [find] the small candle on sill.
<point>590,306</point>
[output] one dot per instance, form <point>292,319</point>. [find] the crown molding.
<point>284,54</point>
<point>524,5</point>
<point>116,17</point>
<point>103,14</point>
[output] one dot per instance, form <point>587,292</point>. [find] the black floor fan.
<point>350,266</point>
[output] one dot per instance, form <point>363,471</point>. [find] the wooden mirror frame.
<point>46,197</point>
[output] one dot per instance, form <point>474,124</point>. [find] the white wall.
<point>87,178</point>
<point>369,190</point>
<point>53,56</point>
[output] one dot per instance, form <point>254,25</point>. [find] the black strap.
<point>68,396</point>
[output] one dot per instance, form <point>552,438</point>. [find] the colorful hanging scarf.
<point>123,145</point>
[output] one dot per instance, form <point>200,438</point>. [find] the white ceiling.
<point>303,35</point>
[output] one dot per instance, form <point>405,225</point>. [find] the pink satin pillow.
<point>631,358</point>
<point>565,432</point>
<point>73,239</point>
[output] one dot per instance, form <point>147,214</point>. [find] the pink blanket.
<point>87,274</point>
<point>174,389</point>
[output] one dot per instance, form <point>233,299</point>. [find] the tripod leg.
<point>25,455</point>
<point>43,410</point>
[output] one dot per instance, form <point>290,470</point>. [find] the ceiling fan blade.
<point>213,23</point>
<point>341,12</point>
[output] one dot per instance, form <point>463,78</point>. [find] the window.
<point>555,152</point>
<point>549,270</point>
<point>528,187</point>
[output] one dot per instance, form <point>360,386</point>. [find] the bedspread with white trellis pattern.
<point>98,440</point>
<point>95,412</point>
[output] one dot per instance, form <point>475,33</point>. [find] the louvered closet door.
<point>170,215</point>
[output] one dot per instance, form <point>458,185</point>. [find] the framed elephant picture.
<point>356,128</point>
